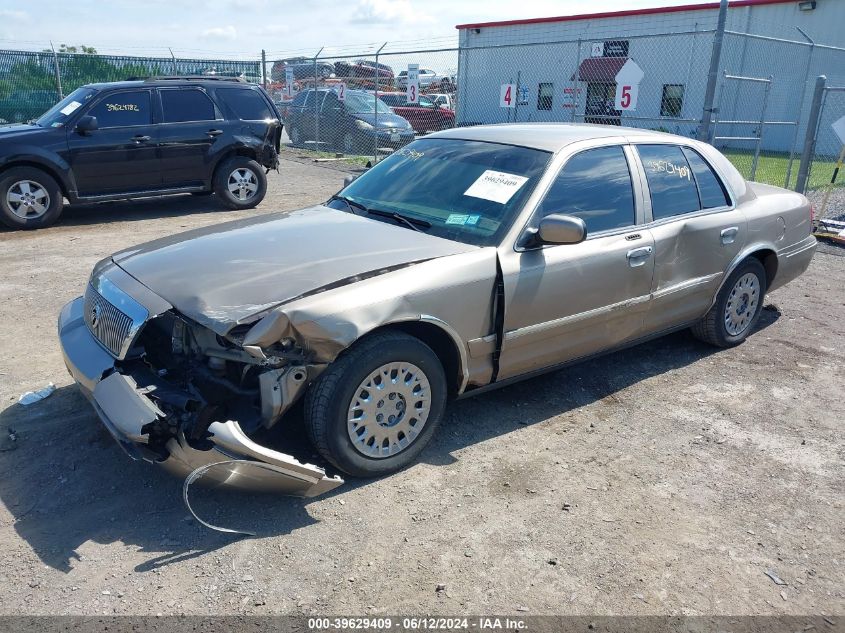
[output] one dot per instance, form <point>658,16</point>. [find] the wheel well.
<point>240,151</point>
<point>47,170</point>
<point>441,344</point>
<point>769,259</point>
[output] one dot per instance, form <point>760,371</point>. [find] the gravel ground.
<point>665,479</point>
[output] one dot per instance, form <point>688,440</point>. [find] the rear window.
<point>186,105</point>
<point>248,105</point>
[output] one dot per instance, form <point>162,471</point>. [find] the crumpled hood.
<point>223,275</point>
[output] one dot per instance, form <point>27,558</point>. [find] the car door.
<point>190,125</point>
<point>567,301</point>
<point>697,233</point>
<point>121,155</point>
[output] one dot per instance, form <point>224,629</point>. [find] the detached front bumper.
<point>125,411</point>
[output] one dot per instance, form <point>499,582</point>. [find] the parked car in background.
<point>429,80</point>
<point>132,139</point>
<point>471,259</point>
<point>303,68</point>
<point>24,105</point>
<point>357,125</point>
<point>366,69</point>
<point>447,100</point>
<point>425,116</point>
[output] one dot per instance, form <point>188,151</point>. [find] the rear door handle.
<point>140,138</point>
<point>637,256</point>
<point>215,132</point>
<point>728,235</point>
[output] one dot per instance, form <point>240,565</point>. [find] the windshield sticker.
<point>457,218</point>
<point>473,219</point>
<point>70,108</point>
<point>660,166</point>
<point>497,186</point>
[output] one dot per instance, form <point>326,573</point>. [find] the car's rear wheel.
<point>373,410</point>
<point>29,198</point>
<point>240,183</point>
<point>737,309</point>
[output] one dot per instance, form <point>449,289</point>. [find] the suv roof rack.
<point>189,78</point>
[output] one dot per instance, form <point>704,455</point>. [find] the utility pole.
<point>712,76</point>
<point>58,72</point>
<point>264,68</point>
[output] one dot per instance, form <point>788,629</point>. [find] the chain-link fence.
<point>825,185</point>
<point>31,82</point>
<point>342,105</point>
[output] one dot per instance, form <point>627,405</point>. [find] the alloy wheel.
<point>243,184</point>
<point>28,199</point>
<point>742,304</point>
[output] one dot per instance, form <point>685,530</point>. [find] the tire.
<point>737,308</point>
<point>330,400</point>
<point>347,144</point>
<point>295,136</point>
<point>237,171</point>
<point>42,210</point>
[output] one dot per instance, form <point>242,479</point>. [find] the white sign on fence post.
<point>839,128</point>
<point>412,93</point>
<point>628,86</point>
<point>289,82</point>
<point>341,91</point>
<point>507,96</point>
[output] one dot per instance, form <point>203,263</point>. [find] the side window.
<point>711,191</point>
<point>670,180</point>
<point>595,186</point>
<point>246,103</point>
<point>186,105</point>
<point>299,100</point>
<point>309,100</point>
<point>330,101</point>
<point>123,109</point>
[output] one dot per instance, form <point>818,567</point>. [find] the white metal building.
<point>565,66</point>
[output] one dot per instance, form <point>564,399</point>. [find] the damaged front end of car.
<point>174,393</point>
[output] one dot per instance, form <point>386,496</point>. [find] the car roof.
<point>549,137</point>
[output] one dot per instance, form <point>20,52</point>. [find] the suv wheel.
<point>373,410</point>
<point>240,183</point>
<point>29,198</point>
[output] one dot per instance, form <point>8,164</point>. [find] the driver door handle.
<point>140,138</point>
<point>215,132</point>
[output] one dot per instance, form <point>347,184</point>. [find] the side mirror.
<point>561,229</point>
<point>86,124</point>
<point>348,180</point>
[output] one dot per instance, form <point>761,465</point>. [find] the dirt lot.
<point>666,479</point>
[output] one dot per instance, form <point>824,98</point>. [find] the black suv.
<point>139,138</point>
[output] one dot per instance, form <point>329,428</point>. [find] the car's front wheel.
<point>240,183</point>
<point>29,198</point>
<point>737,307</point>
<point>373,410</point>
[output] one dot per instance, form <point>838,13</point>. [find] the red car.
<point>425,116</point>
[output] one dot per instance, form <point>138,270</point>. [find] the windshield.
<point>62,111</point>
<point>361,102</point>
<point>469,191</point>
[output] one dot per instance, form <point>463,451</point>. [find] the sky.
<point>235,28</point>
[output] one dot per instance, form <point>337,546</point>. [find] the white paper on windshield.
<point>70,108</point>
<point>497,186</point>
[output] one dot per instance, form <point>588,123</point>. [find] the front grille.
<point>108,324</point>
